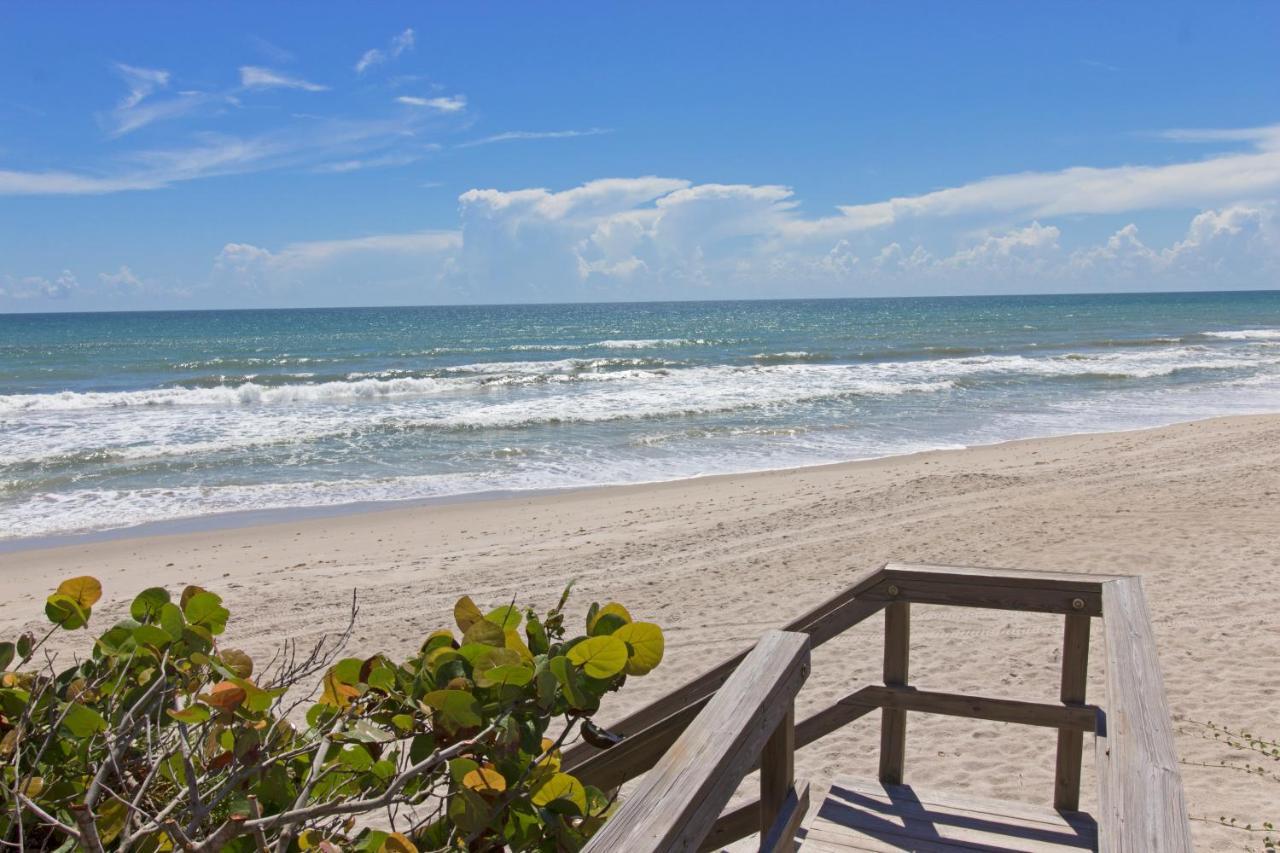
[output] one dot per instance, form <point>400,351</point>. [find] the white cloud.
<point>1080,190</point>
<point>141,82</point>
<point>59,287</point>
<point>140,108</point>
<point>121,282</point>
<point>450,104</point>
<point>295,256</point>
<point>309,142</point>
<point>376,56</point>
<point>256,77</point>
<point>520,135</point>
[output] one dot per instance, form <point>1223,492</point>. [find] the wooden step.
<point>870,816</point>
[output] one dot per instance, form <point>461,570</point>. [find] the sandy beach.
<point>1193,508</point>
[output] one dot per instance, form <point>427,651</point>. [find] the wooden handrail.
<point>679,800</point>
<point>1142,806</point>
<point>1141,801</point>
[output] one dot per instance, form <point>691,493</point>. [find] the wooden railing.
<point>1141,804</point>
<point>749,722</point>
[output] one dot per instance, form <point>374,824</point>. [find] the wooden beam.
<point>893,721</point>
<point>777,768</point>
<point>732,826</point>
<point>1075,717</point>
<point>780,837</point>
<point>677,803</point>
<point>829,619</point>
<point>962,592</point>
<point>1142,805</point>
<point>1075,676</point>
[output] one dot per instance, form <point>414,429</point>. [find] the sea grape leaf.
<point>65,612</point>
<point>458,708</point>
<point>204,609</point>
<point>485,779</point>
<point>561,788</point>
<point>82,721</point>
<point>486,632</point>
<point>146,604</point>
<point>645,645</point>
<point>614,609</point>
<point>85,590</point>
<point>466,614</point>
<point>600,657</point>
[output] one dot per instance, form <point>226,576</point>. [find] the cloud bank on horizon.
<point>1199,212</point>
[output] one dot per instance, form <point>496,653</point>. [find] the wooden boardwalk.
<point>694,746</point>
<point>873,816</point>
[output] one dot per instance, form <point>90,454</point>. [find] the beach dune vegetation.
<point>163,737</point>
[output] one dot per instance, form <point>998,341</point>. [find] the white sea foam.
<point>1246,335</point>
<point>874,377</point>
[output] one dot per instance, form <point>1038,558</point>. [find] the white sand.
<point>1194,509</point>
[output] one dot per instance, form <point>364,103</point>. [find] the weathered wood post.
<point>893,722</point>
<point>1075,672</point>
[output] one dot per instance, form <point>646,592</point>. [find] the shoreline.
<point>268,516</point>
<point>1191,509</point>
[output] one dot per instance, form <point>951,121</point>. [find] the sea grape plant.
<point>161,737</point>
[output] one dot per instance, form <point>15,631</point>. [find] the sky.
<point>161,156</point>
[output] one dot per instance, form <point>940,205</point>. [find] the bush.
<point>162,738</point>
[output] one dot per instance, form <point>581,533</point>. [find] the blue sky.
<point>290,154</point>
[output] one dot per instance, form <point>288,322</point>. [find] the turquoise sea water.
<point>109,420</point>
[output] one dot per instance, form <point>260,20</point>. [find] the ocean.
<point>118,419</point>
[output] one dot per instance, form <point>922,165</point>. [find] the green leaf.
<point>7,651</point>
<point>205,610</point>
<point>191,715</point>
<point>561,788</point>
<point>146,605</point>
<point>347,670</point>
<point>515,675</point>
<point>82,721</point>
<point>458,708</point>
<point>507,617</point>
<point>152,635</point>
<point>171,620</point>
<point>600,657</point>
<point>111,820</point>
<point>614,609</point>
<point>645,646</point>
<point>486,632</point>
<point>571,682</point>
<point>65,612</point>
<point>355,757</point>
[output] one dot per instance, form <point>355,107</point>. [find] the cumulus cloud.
<point>1082,189</point>
<point>23,288</point>
<point>377,56</point>
<point>122,282</point>
<point>256,77</point>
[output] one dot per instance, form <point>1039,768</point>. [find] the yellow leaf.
<point>397,843</point>
<point>561,786</point>
<point>466,614</point>
<point>518,646</point>
<point>85,590</point>
<point>336,693</point>
<point>553,757</point>
<point>613,608</point>
<point>600,657</point>
<point>485,780</point>
<point>645,646</point>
